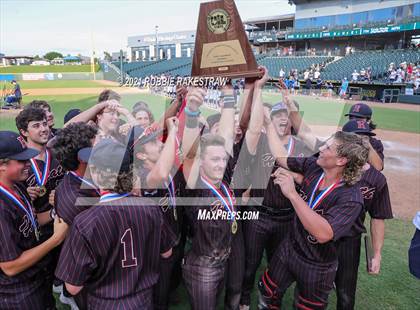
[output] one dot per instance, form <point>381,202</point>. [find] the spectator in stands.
<point>281,74</point>
<point>306,75</point>
<point>290,50</point>
<point>348,50</point>
<point>369,74</point>
<point>363,75</point>
<point>409,71</point>
<point>392,75</point>
<point>317,74</point>
<point>355,76</point>
<point>296,86</point>
<point>330,88</point>
<point>344,86</point>
<point>308,86</point>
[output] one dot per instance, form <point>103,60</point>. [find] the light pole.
<point>156,43</point>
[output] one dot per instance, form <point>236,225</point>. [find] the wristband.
<point>188,112</point>
<point>191,121</point>
<point>228,102</point>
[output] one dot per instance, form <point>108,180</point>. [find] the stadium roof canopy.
<point>274,18</point>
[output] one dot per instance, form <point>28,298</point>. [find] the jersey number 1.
<point>127,242</point>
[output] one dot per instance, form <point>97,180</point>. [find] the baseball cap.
<point>140,136</point>
<point>360,110</point>
<point>278,107</point>
<point>70,114</point>
<point>358,126</point>
<point>13,146</point>
<point>108,155</point>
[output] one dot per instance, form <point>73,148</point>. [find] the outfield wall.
<point>50,76</point>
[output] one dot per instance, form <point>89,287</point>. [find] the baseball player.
<point>205,264</point>
<point>42,104</point>
<point>161,182</point>
<point>76,192</point>
<point>275,211</point>
<point>374,189</point>
<point>76,183</point>
<point>45,173</point>
<point>239,183</point>
<point>326,208</point>
<point>113,247</point>
<point>414,250</point>
<point>24,258</point>
<point>361,111</point>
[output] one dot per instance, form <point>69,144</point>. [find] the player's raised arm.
<point>227,119</point>
<point>303,130</point>
<point>276,147</point>
<point>256,122</point>
<point>246,105</point>
<point>164,164</point>
<point>192,131</point>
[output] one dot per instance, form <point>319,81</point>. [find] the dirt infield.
<point>402,168</point>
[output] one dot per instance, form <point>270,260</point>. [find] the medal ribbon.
<point>290,147</point>
<point>21,204</point>
<point>227,205</point>
<point>171,189</point>
<point>84,181</point>
<point>108,196</point>
<point>314,204</point>
<point>41,178</point>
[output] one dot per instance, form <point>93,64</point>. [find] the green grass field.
<point>56,84</point>
<point>47,69</point>
<point>318,112</point>
<point>394,288</point>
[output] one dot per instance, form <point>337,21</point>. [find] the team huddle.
<point>108,210</point>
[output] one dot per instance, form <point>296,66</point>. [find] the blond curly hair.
<point>356,149</point>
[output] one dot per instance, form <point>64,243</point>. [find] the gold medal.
<point>42,191</point>
<point>234,227</point>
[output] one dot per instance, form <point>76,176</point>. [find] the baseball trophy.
<point>221,44</point>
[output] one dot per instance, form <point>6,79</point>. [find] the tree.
<point>51,55</point>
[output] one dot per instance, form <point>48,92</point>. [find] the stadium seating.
<point>274,64</point>
<point>182,66</point>
<point>378,60</point>
<point>334,70</point>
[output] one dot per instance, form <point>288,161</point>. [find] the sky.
<point>37,27</point>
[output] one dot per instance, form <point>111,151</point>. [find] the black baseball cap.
<point>108,155</point>
<point>358,126</point>
<point>360,110</point>
<point>70,114</point>
<point>140,136</point>
<point>13,146</point>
